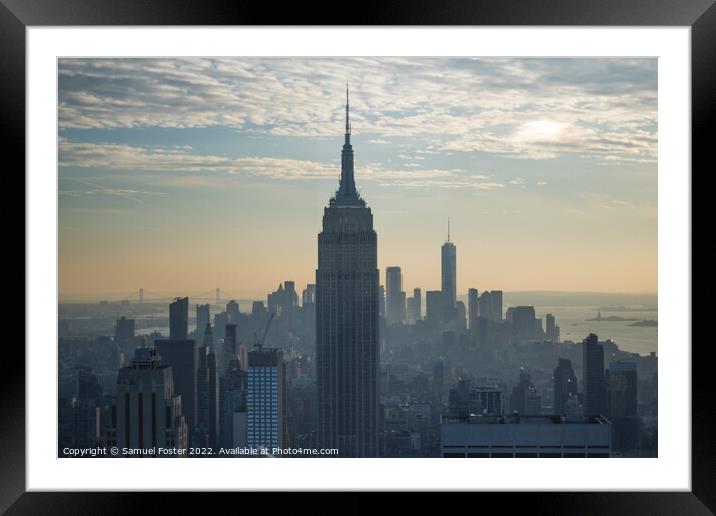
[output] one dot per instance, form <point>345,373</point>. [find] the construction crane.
<point>258,344</point>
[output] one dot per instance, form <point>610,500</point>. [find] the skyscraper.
<point>266,399</point>
<point>124,330</point>
<point>524,323</point>
<point>551,329</point>
<point>308,296</point>
<point>496,305</point>
<point>434,307</point>
<point>593,376</point>
<point>283,302</point>
<point>258,310</point>
<point>228,347</point>
<point>307,312</point>
<point>207,393</point>
<point>449,276</point>
<point>148,412</point>
<point>220,321</point>
<point>84,415</point>
<point>232,396</point>
<point>490,305</point>
<point>472,309</point>
<point>460,315</point>
<point>525,398</point>
<point>415,306</point>
<point>124,336</point>
<point>347,348</point>
<point>180,355</point>
<point>179,318</point>
<point>621,381</point>
<point>203,316</point>
<point>565,385</point>
<point>621,406</point>
<point>395,297</point>
<point>232,311</point>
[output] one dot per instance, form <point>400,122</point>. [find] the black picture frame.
<point>16,15</point>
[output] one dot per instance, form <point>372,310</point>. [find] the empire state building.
<point>347,319</point>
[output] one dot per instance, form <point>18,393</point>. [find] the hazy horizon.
<point>206,297</point>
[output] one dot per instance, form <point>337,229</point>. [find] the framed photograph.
<point>439,233</point>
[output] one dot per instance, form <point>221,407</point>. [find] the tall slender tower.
<point>595,396</point>
<point>207,387</point>
<point>449,277</point>
<point>472,309</point>
<point>347,351</point>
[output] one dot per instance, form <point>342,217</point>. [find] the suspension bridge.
<point>216,296</point>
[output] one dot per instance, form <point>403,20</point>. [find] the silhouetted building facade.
<point>220,321</point>
<point>524,323</point>
<point>232,312</point>
<point>124,330</point>
<point>415,306</point>
<point>233,409</point>
<point>448,264</point>
<point>565,385</point>
<point>86,422</point>
<point>395,297</point>
<point>347,347</point>
<point>203,317</point>
<point>461,315</point>
<point>621,384</point>
<point>283,302</point>
<point>434,308</point>
<point>181,355</point>
<point>179,319</point>
<point>621,388</point>
<point>473,310</point>
<point>308,296</point>
<point>207,393</point>
<point>490,305</point>
<point>525,398</point>
<point>551,329</point>
<point>593,376</point>
<point>148,411</point>
<point>229,347</point>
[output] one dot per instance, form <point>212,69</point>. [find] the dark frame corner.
<point>700,15</point>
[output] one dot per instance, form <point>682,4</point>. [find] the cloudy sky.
<point>182,175</point>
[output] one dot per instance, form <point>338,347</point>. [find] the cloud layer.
<point>129,158</point>
<point>598,109</point>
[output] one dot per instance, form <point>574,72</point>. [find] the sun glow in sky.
<point>182,175</point>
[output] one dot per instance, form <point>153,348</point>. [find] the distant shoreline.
<point>613,318</point>
<point>646,323</point>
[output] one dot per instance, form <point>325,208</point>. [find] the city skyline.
<point>352,373</point>
<point>211,218</point>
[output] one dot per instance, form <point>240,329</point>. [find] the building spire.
<point>448,230</point>
<point>348,120</point>
<point>347,193</point>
